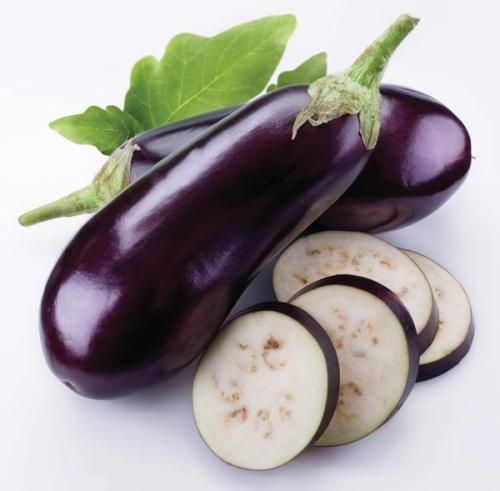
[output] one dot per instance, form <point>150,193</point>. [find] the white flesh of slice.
<point>373,354</point>
<point>260,390</point>
<point>455,314</point>
<point>323,254</point>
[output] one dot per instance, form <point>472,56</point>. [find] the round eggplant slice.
<point>267,386</point>
<point>456,328</point>
<point>377,348</point>
<point>328,253</point>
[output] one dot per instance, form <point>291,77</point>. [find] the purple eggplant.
<point>422,156</point>
<point>145,284</point>
<point>155,145</point>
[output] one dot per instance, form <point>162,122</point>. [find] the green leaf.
<point>195,75</point>
<point>199,74</point>
<point>106,129</point>
<point>306,73</point>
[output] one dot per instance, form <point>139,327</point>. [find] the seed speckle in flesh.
<point>359,354</point>
<point>312,252</point>
<point>272,344</point>
<point>241,413</point>
<point>340,314</point>
<point>300,278</point>
<point>386,262</point>
<point>439,292</point>
<point>401,293</point>
<point>285,413</point>
<point>355,388</point>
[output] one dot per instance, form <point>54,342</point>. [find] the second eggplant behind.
<point>421,159</point>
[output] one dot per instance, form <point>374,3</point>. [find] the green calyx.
<point>356,90</point>
<point>113,177</point>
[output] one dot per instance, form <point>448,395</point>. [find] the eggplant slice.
<point>456,327</point>
<point>377,348</point>
<point>267,387</point>
<point>328,253</point>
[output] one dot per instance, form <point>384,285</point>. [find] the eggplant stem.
<point>356,90</point>
<point>76,203</point>
<point>113,177</point>
<point>370,65</point>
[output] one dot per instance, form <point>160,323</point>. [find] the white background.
<point>58,57</point>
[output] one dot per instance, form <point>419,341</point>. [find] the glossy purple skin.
<point>158,144</point>
<point>436,368</point>
<point>422,156</point>
<point>145,284</point>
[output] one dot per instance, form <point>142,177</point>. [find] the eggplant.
<point>145,284</point>
<point>328,253</point>
<point>422,157</point>
<point>267,386</point>
<point>456,326</point>
<point>157,144</point>
<point>376,343</point>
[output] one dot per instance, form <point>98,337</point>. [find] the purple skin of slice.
<point>456,325</point>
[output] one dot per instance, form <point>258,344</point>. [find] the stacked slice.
<point>338,360</point>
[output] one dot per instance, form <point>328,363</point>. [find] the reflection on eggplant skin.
<point>380,214</point>
<point>81,317</point>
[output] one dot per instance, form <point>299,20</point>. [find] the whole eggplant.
<point>422,156</point>
<point>145,284</point>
